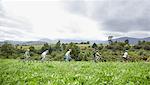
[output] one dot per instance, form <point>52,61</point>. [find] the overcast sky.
<point>73,19</point>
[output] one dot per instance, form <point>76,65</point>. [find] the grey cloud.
<point>115,34</point>
<point>7,20</point>
<point>138,34</point>
<point>5,37</point>
<point>12,32</point>
<point>11,26</point>
<point>126,25</point>
<point>10,22</point>
<point>14,22</point>
<point>115,15</point>
<point>77,6</point>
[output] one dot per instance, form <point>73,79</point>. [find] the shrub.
<point>75,50</point>
<point>7,50</point>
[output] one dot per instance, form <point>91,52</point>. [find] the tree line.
<point>110,52</point>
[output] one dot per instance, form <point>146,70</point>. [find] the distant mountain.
<point>131,40</point>
<point>71,40</point>
<point>12,42</point>
<point>23,42</point>
<point>34,43</point>
<point>45,40</point>
<point>146,39</point>
<point>121,39</point>
<point>79,41</point>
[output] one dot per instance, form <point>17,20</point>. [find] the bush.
<point>7,50</point>
<point>57,56</point>
<point>75,50</point>
<point>146,47</point>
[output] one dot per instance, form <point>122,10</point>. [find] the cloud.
<point>115,15</point>
<point>51,20</point>
<point>139,34</point>
<point>74,19</point>
<point>127,25</point>
<point>13,27</point>
<point>10,21</point>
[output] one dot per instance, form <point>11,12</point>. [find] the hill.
<point>45,40</point>
<point>131,40</point>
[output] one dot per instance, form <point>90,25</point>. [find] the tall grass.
<point>15,72</point>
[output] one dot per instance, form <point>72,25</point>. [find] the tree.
<point>127,47</point>
<point>100,47</point>
<point>146,47</point>
<point>21,47</point>
<point>137,46</point>
<point>50,49</point>
<point>83,56</point>
<point>94,45</point>
<point>126,41</point>
<point>44,47</point>
<point>75,50</point>
<point>7,49</point>
<point>63,46</point>
<point>88,42</point>
<point>110,39</point>
<point>58,46</point>
<point>32,49</point>
<point>141,42</point>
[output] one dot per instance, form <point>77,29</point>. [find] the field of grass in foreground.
<point>14,72</point>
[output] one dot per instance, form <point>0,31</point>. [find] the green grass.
<point>27,47</point>
<point>14,72</point>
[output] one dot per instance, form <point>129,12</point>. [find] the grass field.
<point>15,72</point>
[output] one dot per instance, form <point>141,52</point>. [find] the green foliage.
<point>14,72</point>
<point>46,47</point>
<point>7,49</point>
<point>88,42</point>
<point>84,52</point>
<point>32,49</point>
<point>75,50</point>
<point>126,41</point>
<point>127,47</point>
<point>83,56</point>
<point>100,47</point>
<point>57,56</point>
<point>58,46</point>
<point>63,46</point>
<point>142,45</point>
<point>110,40</point>
<point>146,47</point>
<point>94,45</point>
<point>137,46</point>
<point>118,46</point>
